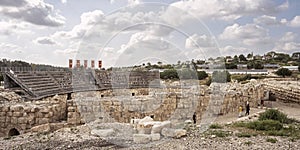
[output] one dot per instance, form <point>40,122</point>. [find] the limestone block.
<point>9,114</point>
<point>71,109</point>
<point>17,114</point>
<point>16,108</point>
<point>34,109</point>
<point>158,127</point>
<point>155,137</point>
<point>2,114</point>
<point>42,120</point>
<point>145,119</point>
<point>102,132</point>
<point>2,119</point>
<point>174,133</point>
<point>41,128</point>
<point>22,120</point>
<point>14,120</point>
<point>8,119</point>
<point>142,138</point>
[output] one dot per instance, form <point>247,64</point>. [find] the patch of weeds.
<point>243,134</point>
<point>239,124</point>
<point>7,138</point>
<point>248,143</point>
<point>265,125</point>
<point>220,133</point>
<point>215,126</point>
<point>273,114</point>
<point>271,140</point>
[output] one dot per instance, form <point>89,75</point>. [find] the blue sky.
<point>131,32</point>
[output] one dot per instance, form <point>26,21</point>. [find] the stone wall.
<point>284,90</point>
<point>174,103</point>
<point>22,116</point>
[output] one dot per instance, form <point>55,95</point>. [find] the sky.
<point>132,32</point>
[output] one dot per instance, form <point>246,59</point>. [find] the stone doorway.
<point>13,132</point>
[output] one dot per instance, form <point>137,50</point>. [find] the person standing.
<point>240,111</point>
<point>194,117</point>
<point>247,108</point>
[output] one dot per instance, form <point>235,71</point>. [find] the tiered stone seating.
<point>83,81</point>
<point>64,79</point>
<point>40,83</point>
<point>47,83</point>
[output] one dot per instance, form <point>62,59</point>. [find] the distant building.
<point>292,68</point>
<point>239,71</point>
<point>241,66</point>
<point>271,66</point>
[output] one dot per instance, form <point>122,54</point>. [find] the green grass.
<point>220,133</point>
<point>245,134</point>
<point>215,126</point>
<point>271,140</point>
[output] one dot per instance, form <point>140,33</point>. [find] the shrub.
<point>202,75</point>
<point>169,74</point>
<point>265,125</point>
<point>271,140</point>
<point>273,114</point>
<point>283,72</point>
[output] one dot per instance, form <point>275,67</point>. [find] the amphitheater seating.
<point>47,83</point>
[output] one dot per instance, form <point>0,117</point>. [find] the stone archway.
<point>13,132</point>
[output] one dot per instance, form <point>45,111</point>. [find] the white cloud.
<point>232,50</point>
<point>196,41</point>
<point>64,1</point>
<point>287,47</point>
<point>11,27</point>
<point>287,43</point>
<point>249,34</point>
<point>101,24</point>
<point>129,2</point>
<point>288,37</point>
<point>36,12</point>
<point>12,3</point>
<point>10,48</point>
<point>45,40</point>
<point>269,20</point>
<point>66,51</point>
<point>134,2</point>
<point>295,22</point>
<point>218,9</point>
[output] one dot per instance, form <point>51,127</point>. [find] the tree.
<point>250,55</point>
<point>169,74</point>
<point>202,75</point>
<point>221,76</point>
<point>231,66</point>
<point>242,58</point>
<point>255,65</point>
<point>283,72</point>
<point>235,59</point>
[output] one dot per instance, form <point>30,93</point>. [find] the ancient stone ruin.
<point>46,101</point>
